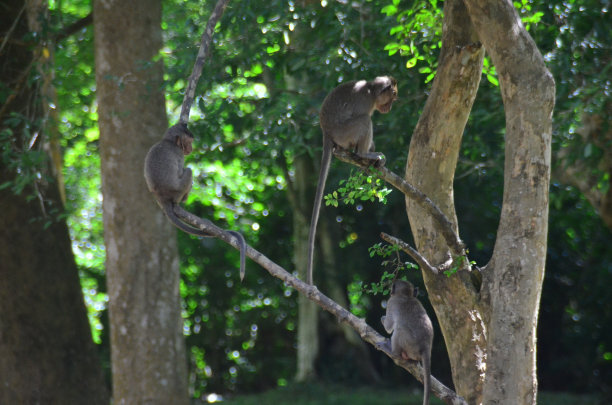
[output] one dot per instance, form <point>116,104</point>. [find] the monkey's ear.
<point>186,130</point>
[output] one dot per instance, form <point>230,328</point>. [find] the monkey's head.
<point>385,89</point>
<point>401,287</point>
<point>181,136</point>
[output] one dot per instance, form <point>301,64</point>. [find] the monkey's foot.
<point>375,159</point>
<point>380,161</point>
<point>384,346</point>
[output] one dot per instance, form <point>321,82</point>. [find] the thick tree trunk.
<point>148,350</point>
<point>512,282</point>
<point>431,166</point>
<point>46,352</point>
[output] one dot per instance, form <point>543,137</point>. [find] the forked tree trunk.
<point>148,350</point>
<point>490,334</point>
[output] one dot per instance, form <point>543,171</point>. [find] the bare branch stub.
<point>421,261</point>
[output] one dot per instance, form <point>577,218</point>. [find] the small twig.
<point>199,63</point>
<point>20,82</point>
<point>9,33</point>
<point>441,222</point>
<point>74,27</point>
<point>421,261</point>
<point>366,332</point>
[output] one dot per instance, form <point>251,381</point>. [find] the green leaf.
<point>389,10</point>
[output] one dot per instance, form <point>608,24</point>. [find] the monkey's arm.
<point>388,323</point>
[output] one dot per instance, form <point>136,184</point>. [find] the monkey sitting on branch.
<point>346,122</point>
<point>170,181</point>
<point>411,330</point>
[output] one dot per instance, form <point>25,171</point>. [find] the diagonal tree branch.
<point>421,261</point>
<point>442,223</point>
<point>366,332</point>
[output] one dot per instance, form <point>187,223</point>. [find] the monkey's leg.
<point>365,143</point>
<point>186,181</point>
<point>351,133</point>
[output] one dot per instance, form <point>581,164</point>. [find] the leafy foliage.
<point>358,187</point>
<point>256,111</point>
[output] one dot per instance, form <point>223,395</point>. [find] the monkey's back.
<point>336,108</point>
<point>163,166</point>
<point>414,330</point>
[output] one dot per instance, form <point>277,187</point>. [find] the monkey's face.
<point>387,94</point>
<point>184,142</point>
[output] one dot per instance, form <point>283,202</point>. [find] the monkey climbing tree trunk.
<point>489,332</point>
<point>149,362</point>
<point>47,355</point>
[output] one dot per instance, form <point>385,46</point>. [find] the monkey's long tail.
<point>316,208</point>
<point>242,244</point>
<point>169,211</point>
<point>426,378</point>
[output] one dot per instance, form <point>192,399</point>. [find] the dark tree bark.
<point>47,355</point>
<point>148,350</point>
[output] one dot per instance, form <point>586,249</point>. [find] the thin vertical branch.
<point>199,63</point>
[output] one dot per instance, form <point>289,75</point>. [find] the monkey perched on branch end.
<point>170,181</point>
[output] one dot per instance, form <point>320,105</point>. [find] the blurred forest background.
<point>257,139</point>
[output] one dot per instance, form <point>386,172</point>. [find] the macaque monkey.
<point>346,122</point>
<point>410,328</point>
<point>170,181</point>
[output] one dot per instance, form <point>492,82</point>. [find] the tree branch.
<point>74,27</point>
<point>366,332</point>
<point>441,222</point>
<point>199,63</point>
<point>421,261</point>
